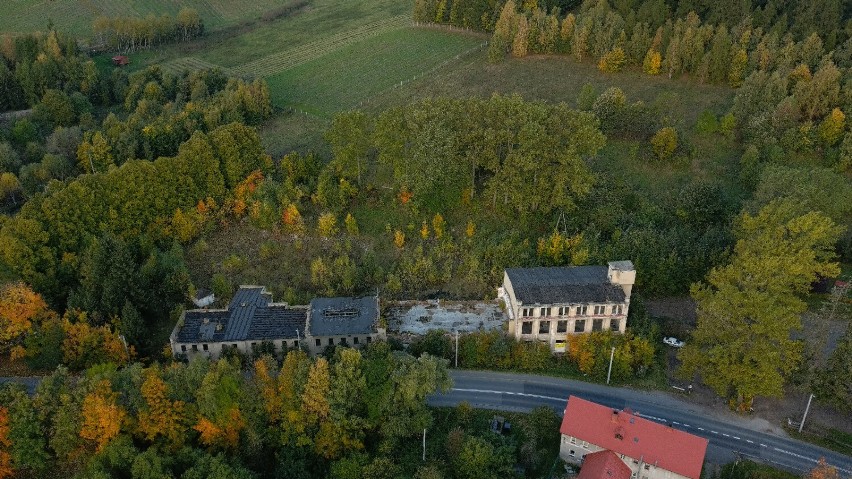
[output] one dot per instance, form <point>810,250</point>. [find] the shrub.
<point>612,61</point>
<point>664,143</point>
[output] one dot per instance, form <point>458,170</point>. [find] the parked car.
<point>674,342</point>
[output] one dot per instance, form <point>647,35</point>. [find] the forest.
<point>123,191</point>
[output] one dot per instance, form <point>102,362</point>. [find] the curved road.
<point>730,436</point>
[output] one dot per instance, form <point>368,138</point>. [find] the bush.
<point>612,61</point>
<point>664,143</point>
<point>707,123</point>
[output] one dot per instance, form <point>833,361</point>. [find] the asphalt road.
<point>730,436</point>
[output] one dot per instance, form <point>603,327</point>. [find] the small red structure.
<point>120,60</point>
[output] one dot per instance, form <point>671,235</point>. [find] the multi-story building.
<point>546,304</point>
<point>593,434</point>
<point>252,319</point>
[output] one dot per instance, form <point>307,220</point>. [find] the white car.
<point>673,342</point>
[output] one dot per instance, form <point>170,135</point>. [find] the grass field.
<point>348,76</point>
<point>75,16</point>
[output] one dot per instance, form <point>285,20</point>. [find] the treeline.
<point>586,353</point>
<point>351,415</point>
<point>34,63</point>
<point>129,34</point>
<point>799,18</point>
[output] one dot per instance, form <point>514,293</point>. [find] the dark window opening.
<point>526,327</point>
<point>204,347</point>
<point>319,342</point>
<point>580,326</point>
<point>562,326</point>
<point>355,340</point>
<point>183,347</point>
<point>544,327</point>
<point>597,325</point>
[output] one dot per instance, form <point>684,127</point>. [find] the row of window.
<point>562,326</point>
<point>293,344</point>
<point>578,310</point>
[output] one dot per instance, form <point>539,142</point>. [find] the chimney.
<point>623,274</point>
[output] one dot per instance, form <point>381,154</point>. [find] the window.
<point>545,312</point>
<point>183,347</point>
<point>369,339</point>
<point>581,310</point>
<point>195,347</point>
<point>527,312</point>
<point>647,467</point>
<point>296,343</point>
<point>597,324</point>
<point>599,310</point>
<point>253,345</point>
<point>571,453</point>
<point>330,341</point>
<point>617,309</point>
<point>614,324</point>
<point>355,340</point>
<point>544,327</point>
<point>319,343</point>
<point>343,341</point>
<point>234,346</point>
<point>526,327</point>
<point>579,326</point>
<point>204,347</point>
<point>573,440</point>
<point>585,444</point>
<point>564,310</point>
<point>562,326</point>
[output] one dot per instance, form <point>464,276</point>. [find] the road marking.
<point>700,428</point>
<point>675,422</point>
<point>686,425</point>
<point>714,432</point>
<point>735,437</point>
<point>795,455</point>
<point>486,391</point>
<point>726,435</point>
<point>749,441</point>
<point>763,445</point>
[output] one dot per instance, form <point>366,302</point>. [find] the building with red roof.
<point>604,465</point>
<point>648,449</point>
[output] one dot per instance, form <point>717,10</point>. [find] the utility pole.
<point>807,408</point>
<point>457,349</point>
<point>611,356</point>
<point>424,444</point>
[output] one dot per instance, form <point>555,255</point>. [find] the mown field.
<point>347,77</point>
<point>75,16</point>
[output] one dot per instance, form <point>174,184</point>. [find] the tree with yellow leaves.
<point>102,416</point>
<point>292,220</point>
<point>832,127</point>
<point>438,225</point>
<point>160,418</point>
<point>21,309</point>
<point>399,239</point>
<point>652,63</point>
<point>315,397</point>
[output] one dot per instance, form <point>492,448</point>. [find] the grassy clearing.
<point>357,72</point>
<point>322,19</point>
<point>283,60</point>
<point>75,16</point>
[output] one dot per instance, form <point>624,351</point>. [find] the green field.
<point>75,16</point>
<point>349,76</point>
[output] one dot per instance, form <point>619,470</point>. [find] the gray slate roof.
<point>343,316</point>
<point>564,285</point>
<point>250,316</point>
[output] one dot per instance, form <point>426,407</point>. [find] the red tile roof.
<point>654,443</point>
<point>603,465</point>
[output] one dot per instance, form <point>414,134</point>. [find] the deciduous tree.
<point>742,346</point>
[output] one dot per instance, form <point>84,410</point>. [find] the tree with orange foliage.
<point>5,458</point>
<point>102,416</point>
<point>161,417</point>
<point>21,309</point>
<point>823,471</point>
<point>87,345</point>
